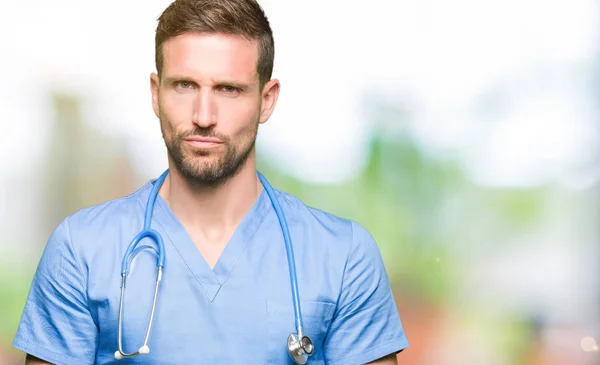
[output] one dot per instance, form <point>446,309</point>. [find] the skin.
<point>387,360</point>
<point>209,87</point>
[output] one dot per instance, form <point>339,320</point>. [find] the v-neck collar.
<point>211,280</point>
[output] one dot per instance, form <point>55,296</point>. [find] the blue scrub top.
<point>240,312</point>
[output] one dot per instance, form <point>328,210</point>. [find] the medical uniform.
<point>240,312</point>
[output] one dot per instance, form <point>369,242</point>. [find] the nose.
<point>204,109</point>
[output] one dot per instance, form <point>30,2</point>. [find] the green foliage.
<point>14,287</point>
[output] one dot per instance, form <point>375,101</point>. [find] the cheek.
<point>176,109</point>
<point>238,116</point>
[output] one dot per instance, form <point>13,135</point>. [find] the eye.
<point>184,84</point>
<point>229,89</point>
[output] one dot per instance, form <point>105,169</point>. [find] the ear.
<point>270,94</point>
<point>154,87</point>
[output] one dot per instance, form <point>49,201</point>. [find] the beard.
<point>209,167</point>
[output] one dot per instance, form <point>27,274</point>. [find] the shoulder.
<point>106,211</point>
<point>111,211</point>
<point>330,252</point>
<point>88,229</point>
<point>340,233</point>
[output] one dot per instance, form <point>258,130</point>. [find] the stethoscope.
<point>300,347</point>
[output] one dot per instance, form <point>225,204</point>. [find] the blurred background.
<point>464,135</point>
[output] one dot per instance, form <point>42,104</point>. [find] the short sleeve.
<point>366,325</point>
<point>56,325</point>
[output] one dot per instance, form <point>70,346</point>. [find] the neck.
<point>216,210</point>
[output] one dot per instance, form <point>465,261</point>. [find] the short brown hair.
<point>236,17</point>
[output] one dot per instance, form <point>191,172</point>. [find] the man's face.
<point>210,103</point>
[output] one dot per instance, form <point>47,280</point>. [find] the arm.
<point>31,360</point>
<point>387,360</point>
<point>366,326</point>
<point>56,325</point>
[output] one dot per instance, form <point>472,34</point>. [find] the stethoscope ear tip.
<point>144,350</point>
<point>118,355</point>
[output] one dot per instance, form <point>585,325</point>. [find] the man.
<point>225,295</point>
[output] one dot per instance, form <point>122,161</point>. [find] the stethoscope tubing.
<point>147,231</point>
<point>289,251</point>
<point>155,236</point>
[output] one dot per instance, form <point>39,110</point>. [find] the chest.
<point>210,248</point>
<point>244,317</point>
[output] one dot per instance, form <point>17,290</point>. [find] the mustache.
<point>204,132</point>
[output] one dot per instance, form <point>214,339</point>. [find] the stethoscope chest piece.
<point>299,349</point>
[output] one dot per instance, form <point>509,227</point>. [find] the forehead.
<point>211,55</point>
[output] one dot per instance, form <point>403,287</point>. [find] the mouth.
<point>203,142</point>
